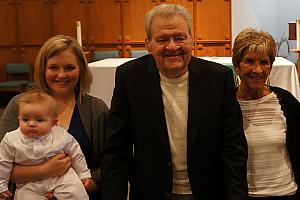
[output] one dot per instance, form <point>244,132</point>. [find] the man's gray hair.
<point>166,10</point>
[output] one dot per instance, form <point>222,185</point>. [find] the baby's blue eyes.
<point>37,120</point>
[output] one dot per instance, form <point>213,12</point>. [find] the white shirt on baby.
<point>17,148</point>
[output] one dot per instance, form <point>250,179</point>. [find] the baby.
<point>37,139</point>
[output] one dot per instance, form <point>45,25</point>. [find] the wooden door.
<point>8,23</point>
<point>8,54</point>
<point>104,21</point>
<point>133,23</point>
<point>28,54</point>
<point>65,13</point>
<point>8,36</point>
<point>34,22</point>
<point>104,26</point>
<point>212,49</point>
<point>212,25</point>
<point>133,19</point>
<point>213,20</point>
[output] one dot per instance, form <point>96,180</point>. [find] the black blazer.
<point>137,147</point>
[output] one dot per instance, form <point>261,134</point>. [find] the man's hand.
<point>86,183</point>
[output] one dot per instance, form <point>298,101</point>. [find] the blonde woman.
<point>62,71</point>
<point>271,120</point>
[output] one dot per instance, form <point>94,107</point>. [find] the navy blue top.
<point>77,130</point>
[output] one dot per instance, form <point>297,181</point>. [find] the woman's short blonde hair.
<point>52,47</point>
<point>254,41</point>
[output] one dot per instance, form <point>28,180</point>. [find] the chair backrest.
<point>18,71</point>
<point>229,65</point>
<point>100,55</point>
<point>138,53</point>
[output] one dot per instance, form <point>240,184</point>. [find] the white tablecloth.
<point>283,74</point>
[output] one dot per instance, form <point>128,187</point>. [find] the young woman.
<point>62,71</point>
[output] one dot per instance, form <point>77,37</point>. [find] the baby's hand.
<point>86,182</point>
<point>5,194</point>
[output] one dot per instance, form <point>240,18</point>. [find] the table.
<point>283,74</point>
<point>297,51</point>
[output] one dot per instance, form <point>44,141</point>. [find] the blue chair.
<point>18,75</point>
<point>100,55</point>
<point>138,53</point>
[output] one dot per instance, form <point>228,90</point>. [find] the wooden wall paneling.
<point>65,13</point>
<point>106,47</point>
<point>28,54</point>
<point>213,20</point>
<point>213,49</point>
<point>134,46</point>
<point>105,25</point>
<point>104,21</point>
<point>8,24</point>
<point>33,21</point>
<point>133,19</point>
<point>8,54</point>
<point>8,36</point>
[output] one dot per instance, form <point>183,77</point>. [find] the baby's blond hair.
<point>39,97</point>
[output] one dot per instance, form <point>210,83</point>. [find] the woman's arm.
<point>95,130</point>
<point>55,166</point>
<point>9,118</point>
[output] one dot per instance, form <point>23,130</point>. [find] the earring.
<point>237,81</point>
<point>267,81</point>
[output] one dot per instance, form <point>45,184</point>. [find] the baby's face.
<point>35,120</point>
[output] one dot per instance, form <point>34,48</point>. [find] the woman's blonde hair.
<point>52,47</point>
<point>254,41</point>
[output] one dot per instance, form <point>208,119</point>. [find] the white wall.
<point>268,15</point>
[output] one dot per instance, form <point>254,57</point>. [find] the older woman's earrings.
<point>237,81</point>
<point>267,81</point>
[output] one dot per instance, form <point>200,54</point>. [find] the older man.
<point>175,126</point>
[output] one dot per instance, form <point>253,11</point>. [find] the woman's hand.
<point>55,166</point>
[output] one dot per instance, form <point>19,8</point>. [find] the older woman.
<point>271,117</point>
<point>62,71</point>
